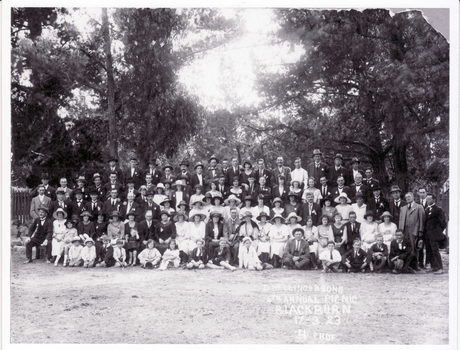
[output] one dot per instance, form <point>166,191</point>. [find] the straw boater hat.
<point>232,197</point>
<point>344,195</point>
<point>194,213</point>
<point>76,239</point>
<point>59,210</point>
<point>338,155</point>
<point>89,239</point>
<point>97,175</point>
<point>263,214</point>
<point>60,190</point>
<point>283,220</point>
<point>180,213</point>
<point>293,215</point>
<point>386,213</point>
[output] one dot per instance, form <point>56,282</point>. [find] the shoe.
<point>29,261</point>
<point>48,261</point>
<point>438,272</point>
<point>410,270</point>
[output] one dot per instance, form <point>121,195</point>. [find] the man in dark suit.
<point>225,168</point>
<point>341,188</point>
<point>309,209</point>
<point>168,174</point>
<point>184,171</point>
<point>94,206</point>
<point>113,168</point>
<point>112,204</point>
<point>265,191</point>
<point>134,173</point>
<point>353,228</point>
<point>317,168</point>
<point>113,184</point>
<point>378,204</point>
<point>435,224</point>
<point>297,252</point>
<point>356,259</point>
<point>130,206</point>
<point>353,171</point>
<point>280,169</point>
<point>396,203</point>
<point>49,190</point>
<point>262,172</point>
<point>222,187</point>
<point>102,192</point>
<point>252,188</point>
<point>130,188</point>
<point>325,189</point>
<point>369,181</point>
<point>401,255</point>
<point>40,233</point>
<point>281,190</point>
<point>198,178</point>
<point>337,170</point>
<point>233,171</point>
<point>150,205</point>
<point>61,202</point>
<point>358,186</point>
<point>156,174</point>
<point>422,197</point>
<point>77,206</point>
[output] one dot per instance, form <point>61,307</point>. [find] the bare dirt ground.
<point>132,305</point>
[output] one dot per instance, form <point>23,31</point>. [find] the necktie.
<point>352,227</point>
<point>94,205</point>
<point>199,252</point>
<point>61,204</point>
<point>331,256</point>
<point>148,224</point>
<point>113,202</point>
<point>310,208</point>
<point>409,207</point>
<point>324,191</point>
<point>356,253</point>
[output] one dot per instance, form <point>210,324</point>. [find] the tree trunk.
<point>113,144</point>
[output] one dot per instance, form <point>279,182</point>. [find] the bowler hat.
<point>168,166</point>
<point>184,162</point>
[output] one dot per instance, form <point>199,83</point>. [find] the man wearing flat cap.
<point>317,168</point>
<point>154,171</point>
<point>338,170</point>
<point>133,172</point>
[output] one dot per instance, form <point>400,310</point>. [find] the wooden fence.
<point>20,205</point>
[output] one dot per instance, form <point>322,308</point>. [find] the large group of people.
<point>228,216</point>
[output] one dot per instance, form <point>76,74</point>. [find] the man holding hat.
<point>40,233</point>
<point>113,168</point>
<point>297,252</point>
<point>39,201</point>
<point>338,170</point>
<point>49,190</point>
<point>317,168</point>
<point>396,203</point>
<point>133,172</point>
<point>198,178</point>
<point>152,170</point>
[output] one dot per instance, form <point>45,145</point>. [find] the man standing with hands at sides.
<point>40,201</point>
<point>396,203</point>
<point>435,224</point>
<point>40,233</point>
<point>233,171</point>
<point>134,173</point>
<point>337,170</point>
<point>317,169</point>
<point>309,209</point>
<point>422,197</point>
<point>299,174</point>
<point>281,170</point>
<point>262,172</point>
<point>156,174</point>
<point>412,222</point>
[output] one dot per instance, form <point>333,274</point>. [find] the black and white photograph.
<point>279,174</point>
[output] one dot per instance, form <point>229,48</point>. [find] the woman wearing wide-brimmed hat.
<point>328,209</point>
<point>293,204</point>
<point>248,228</point>
<point>132,237</point>
<point>279,235</point>
<point>217,201</point>
<point>197,227</point>
<point>263,221</point>
<point>59,230</point>
<point>198,196</point>
<point>182,235</point>
<point>277,208</point>
<point>324,234</point>
<point>232,202</point>
<point>368,230</point>
<point>292,223</point>
<point>160,194</point>
<point>214,231</point>
<point>343,207</point>
<point>313,190</point>
<point>116,228</point>
<point>86,225</point>
<point>387,228</point>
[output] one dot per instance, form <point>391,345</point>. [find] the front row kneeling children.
<point>221,256</point>
<point>198,257</point>
<point>150,257</point>
<point>330,258</point>
<point>356,259</point>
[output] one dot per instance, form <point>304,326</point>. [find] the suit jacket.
<point>267,193</point>
<point>35,204</point>
<point>210,177</point>
<point>138,176</point>
<point>231,174</point>
<point>155,208</point>
<point>251,192</point>
<point>134,207</point>
<point>334,174</point>
<point>318,173</point>
<point>276,173</point>
<point>171,177</point>
<point>204,256</point>
<point>375,249</point>
<point>55,205</point>
<point>265,173</point>
<point>379,208</point>
<point>352,234</point>
<point>289,250</point>
<point>327,191</point>
<point>283,196</point>
<point>371,183</point>
<point>89,207</point>
<point>402,253</point>
<point>363,189</point>
<point>396,210</point>
<point>225,191</point>
<point>194,181</point>
<point>335,192</point>
<point>315,214</point>
<point>435,223</point>
<point>350,178</point>
<point>108,188</point>
<point>146,232</point>
<point>85,191</point>
<point>232,229</point>
<point>106,255</point>
<point>41,232</point>
<point>359,259</point>
<point>49,192</point>
<point>412,221</point>
<point>209,235</point>
<point>101,190</point>
<point>156,175</point>
<point>108,208</point>
<point>75,209</point>
<point>117,170</point>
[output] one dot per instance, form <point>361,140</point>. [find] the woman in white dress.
<point>183,233</point>
<point>197,227</point>
<point>311,236</point>
<point>279,235</point>
<point>325,234</point>
<point>263,249</point>
<point>260,207</point>
<point>387,228</point>
<point>59,230</point>
<point>359,207</point>
<point>368,230</point>
<point>160,195</point>
<point>217,203</point>
<point>312,189</point>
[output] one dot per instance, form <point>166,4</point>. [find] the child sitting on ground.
<point>378,255</point>
<point>221,256</point>
<point>171,255</point>
<point>356,259</point>
<point>247,256</point>
<point>150,257</point>
<point>330,258</point>
<point>75,252</point>
<point>198,257</point>
<point>119,254</point>
<point>88,253</point>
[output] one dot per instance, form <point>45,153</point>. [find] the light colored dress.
<point>264,238</point>
<point>360,212</point>
<point>248,258</point>
<point>59,230</point>
<point>387,231</point>
<point>325,235</point>
<point>183,236</point>
<point>115,232</point>
<point>330,212</point>
<point>316,194</point>
<point>344,210</point>
<point>280,233</point>
<point>196,232</point>
<point>257,210</point>
<point>311,235</point>
<point>368,232</point>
